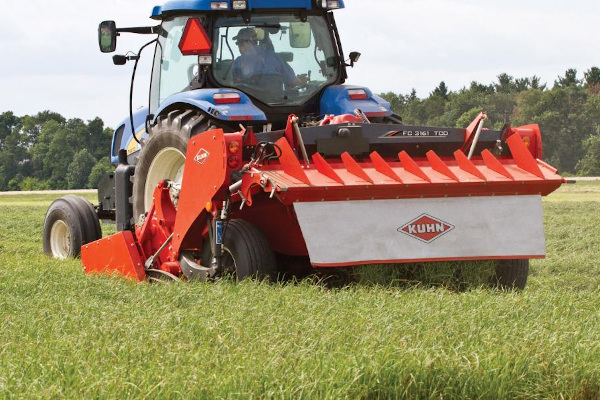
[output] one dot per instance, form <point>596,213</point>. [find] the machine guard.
<point>417,230</point>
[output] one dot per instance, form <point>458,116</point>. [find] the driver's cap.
<point>246,34</point>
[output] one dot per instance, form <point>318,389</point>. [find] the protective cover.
<point>407,230</point>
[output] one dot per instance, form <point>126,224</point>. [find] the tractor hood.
<point>178,6</point>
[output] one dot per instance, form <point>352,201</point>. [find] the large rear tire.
<point>511,274</point>
<point>163,155</point>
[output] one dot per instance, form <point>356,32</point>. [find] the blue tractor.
<point>200,79</point>
<point>252,155</point>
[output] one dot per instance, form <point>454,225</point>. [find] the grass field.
<point>67,335</point>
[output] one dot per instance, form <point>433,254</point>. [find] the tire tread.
<point>177,126</point>
<point>261,259</point>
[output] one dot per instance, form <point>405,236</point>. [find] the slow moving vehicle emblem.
<point>202,156</point>
<point>426,228</point>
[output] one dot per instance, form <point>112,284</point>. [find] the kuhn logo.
<point>426,228</point>
<point>202,156</point>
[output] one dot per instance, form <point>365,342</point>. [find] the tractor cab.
<point>277,59</point>
<point>286,63</point>
<point>280,54</point>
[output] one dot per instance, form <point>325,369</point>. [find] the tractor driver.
<point>256,61</point>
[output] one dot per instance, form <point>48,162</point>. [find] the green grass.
<point>67,335</point>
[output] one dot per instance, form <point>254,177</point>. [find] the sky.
<point>49,57</point>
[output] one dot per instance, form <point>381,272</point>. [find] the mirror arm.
<point>142,30</point>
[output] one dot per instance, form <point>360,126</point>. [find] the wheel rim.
<point>60,240</point>
<point>168,164</point>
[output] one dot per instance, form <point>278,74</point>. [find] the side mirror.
<point>119,60</point>
<point>354,57</point>
<point>122,60</point>
<point>107,36</point>
<point>300,35</point>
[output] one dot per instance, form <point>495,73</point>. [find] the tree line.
<point>568,113</point>
<point>47,151</point>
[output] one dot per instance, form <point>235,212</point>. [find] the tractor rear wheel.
<point>163,155</point>
<point>511,274</point>
<point>70,223</point>
<point>247,252</point>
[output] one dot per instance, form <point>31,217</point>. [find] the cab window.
<point>277,59</point>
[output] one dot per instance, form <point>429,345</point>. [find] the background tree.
<point>590,164</point>
<point>79,170</point>
<point>592,76</point>
<point>397,101</point>
<point>37,151</point>
<point>440,91</point>
<point>8,122</point>
<point>505,84</point>
<point>536,83</point>
<point>568,80</point>
<point>99,171</point>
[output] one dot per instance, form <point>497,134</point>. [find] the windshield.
<point>277,58</point>
<point>173,72</point>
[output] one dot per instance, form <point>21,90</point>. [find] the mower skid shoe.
<point>194,271</point>
<point>117,253</point>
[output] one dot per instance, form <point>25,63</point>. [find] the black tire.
<point>248,253</point>
<point>166,142</point>
<point>68,225</point>
<point>511,274</point>
<point>91,224</point>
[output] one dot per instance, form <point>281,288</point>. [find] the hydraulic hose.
<point>131,89</point>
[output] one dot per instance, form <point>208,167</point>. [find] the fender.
<point>123,138</point>
<point>336,101</point>
<point>245,110</point>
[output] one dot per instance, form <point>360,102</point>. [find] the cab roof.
<point>176,6</point>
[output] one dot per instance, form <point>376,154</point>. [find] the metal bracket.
<point>360,114</point>
<point>300,140</point>
<point>477,134</point>
<point>150,261</point>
